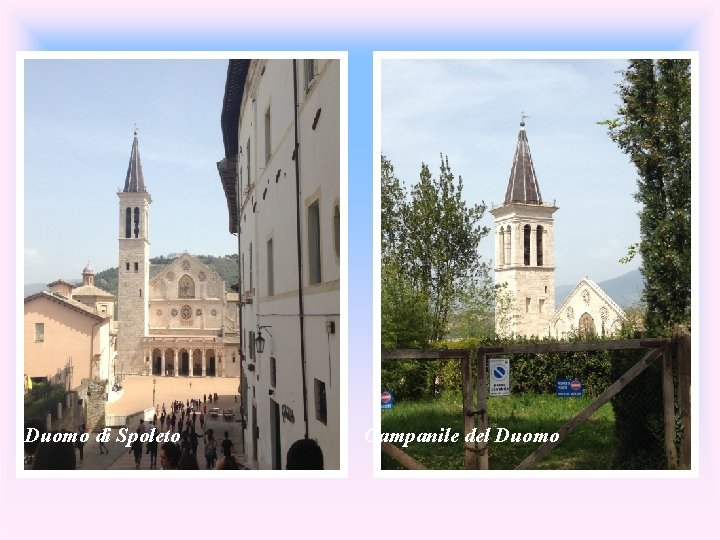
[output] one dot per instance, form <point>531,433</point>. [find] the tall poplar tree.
<point>654,129</point>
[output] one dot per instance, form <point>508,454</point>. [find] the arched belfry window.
<point>526,245</point>
<point>128,222</point>
<point>186,287</point>
<point>501,245</point>
<point>539,242</point>
<point>137,221</point>
<point>508,245</point>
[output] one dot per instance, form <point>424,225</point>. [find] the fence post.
<point>470,455</point>
<point>681,338</point>
<point>484,448</point>
<point>669,407</point>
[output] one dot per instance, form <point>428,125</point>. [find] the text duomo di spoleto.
<point>446,435</point>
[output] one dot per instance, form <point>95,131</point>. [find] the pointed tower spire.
<point>523,186</point>
<point>134,180</point>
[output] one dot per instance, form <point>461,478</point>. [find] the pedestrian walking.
<point>137,447</point>
<point>80,444</point>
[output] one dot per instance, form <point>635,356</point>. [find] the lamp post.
<point>154,381</point>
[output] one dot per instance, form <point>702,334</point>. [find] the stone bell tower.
<point>524,250</point>
<point>134,266</point>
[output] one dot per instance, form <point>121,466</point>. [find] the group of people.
<point>181,418</point>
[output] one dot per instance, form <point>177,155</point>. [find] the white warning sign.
<point>499,376</point>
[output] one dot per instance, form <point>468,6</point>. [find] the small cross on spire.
<point>523,116</point>
<point>135,130</point>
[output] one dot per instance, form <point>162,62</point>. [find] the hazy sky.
<point>469,110</point>
<point>79,119</point>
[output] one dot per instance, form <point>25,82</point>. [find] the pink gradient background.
<point>360,505</point>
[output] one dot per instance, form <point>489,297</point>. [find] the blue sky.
<point>78,123</point>
<point>469,110</point>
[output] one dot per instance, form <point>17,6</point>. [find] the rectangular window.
<point>527,305</point>
<point>541,303</point>
<point>250,268</point>
<point>268,147</point>
<point>39,332</point>
<point>270,269</point>
<point>248,163</point>
<point>311,68</point>
<point>136,267</point>
<point>273,372</point>
<point>251,345</point>
<point>320,402</point>
<point>127,266</point>
<point>314,273</point>
<point>336,228</point>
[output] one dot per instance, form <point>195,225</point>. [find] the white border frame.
<point>373,435</point>
<point>21,56</point>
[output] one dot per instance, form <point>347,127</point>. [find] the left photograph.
<point>181,224</point>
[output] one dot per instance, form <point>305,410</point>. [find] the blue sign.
<point>499,372</point>
<point>568,388</point>
<point>387,399</point>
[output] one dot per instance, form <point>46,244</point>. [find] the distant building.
<point>281,177</point>
<point>181,322</point>
<point>525,265</point>
<point>587,309</point>
<point>69,332</point>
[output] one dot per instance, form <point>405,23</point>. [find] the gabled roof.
<point>594,287</point>
<point>175,266</point>
<point>134,180</point>
<point>69,303</point>
<point>91,290</point>
<point>61,282</point>
<point>523,185</point>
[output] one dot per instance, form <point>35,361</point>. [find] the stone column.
<point>175,365</point>
<point>203,361</point>
<point>191,361</point>
<point>162,363</point>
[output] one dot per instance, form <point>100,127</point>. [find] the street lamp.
<point>259,340</point>
<point>154,381</point>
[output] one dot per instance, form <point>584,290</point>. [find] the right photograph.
<point>536,259</point>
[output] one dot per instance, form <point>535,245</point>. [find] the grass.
<point>590,446</point>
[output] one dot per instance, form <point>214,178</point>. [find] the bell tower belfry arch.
<point>134,266</point>
<point>524,250</point>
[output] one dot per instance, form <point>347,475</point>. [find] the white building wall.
<point>268,212</point>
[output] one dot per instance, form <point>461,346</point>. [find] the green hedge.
<point>418,379</point>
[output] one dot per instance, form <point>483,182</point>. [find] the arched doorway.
<point>170,362</point>
<point>184,362</point>
<point>197,362</point>
<point>211,369</point>
<point>157,362</point>
<point>587,325</point>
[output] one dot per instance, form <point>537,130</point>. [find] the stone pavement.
<point>137,395</point>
